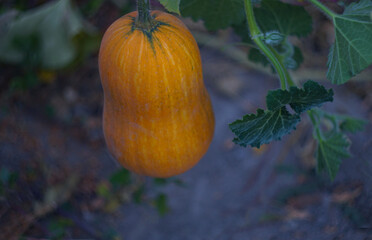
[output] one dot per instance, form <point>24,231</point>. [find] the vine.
<point>270,53</point>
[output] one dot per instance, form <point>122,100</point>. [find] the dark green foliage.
<point>352,50</point>
<point>276,121</point>
<point>216,15</point>
<point>44,36</point>
<point>161,204</point>
<point>120,178</point>
<point>332,142</point>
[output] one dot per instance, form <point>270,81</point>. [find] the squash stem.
<point>144,19</point>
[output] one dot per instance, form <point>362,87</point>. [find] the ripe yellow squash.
<point>158,119</point>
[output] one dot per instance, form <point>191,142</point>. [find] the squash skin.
<point>158,119</point>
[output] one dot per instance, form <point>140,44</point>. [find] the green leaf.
<point>58,227</point>
<point>215,14</point>
<point>241,29</point>
<point>160,181</point>
<point>353,125</point>
<point>274,123</point>
<point>161,204</point>
<point>333,144</point>
<point>256,56</point>
<point>312,95</point>
<point>52,28</point>
<point>138,194</point>
<point>352,50</point>
<point>263,127</point>
<point>171,5</point>
<point>120,178</point>
<point>91,7</point>
<point>103,190</point>
<point>24,82</point>
<point>286,18</point>
<point>331,149</point>
<point>344,123</point>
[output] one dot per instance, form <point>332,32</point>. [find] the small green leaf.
<point>352,50</point>
<point>331,149</point>
<point>161,204</point>
<point>24,82</point>
<point>171,5</point>
<point>274,123</point>
<point>312,95</point>
<point>333,144</point>
<point>215,14</point>
<point>353,125</point>
<point>160,181</point>
<point>138,194</point>
<point>103,190</point>
<point>344,123</point>
<point>58,227</point>
<point>120,178</point>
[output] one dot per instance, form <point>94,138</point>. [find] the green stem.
<point>286,73</point>
<point>144,19</point>
<point>314,120</point>
<point>271,54</point>
<point>323,8</point>
<point>312,117</point>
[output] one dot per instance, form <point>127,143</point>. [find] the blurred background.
<point>58,181</point>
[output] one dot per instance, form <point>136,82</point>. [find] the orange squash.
<point>158,119</point>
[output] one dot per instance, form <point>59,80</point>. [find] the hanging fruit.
<point>158,118</point>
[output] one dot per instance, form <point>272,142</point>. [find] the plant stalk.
<point>315,121</point>
<point>270,53</point>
